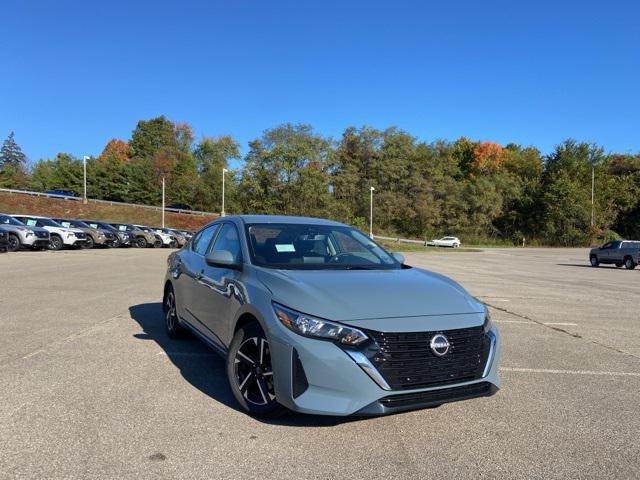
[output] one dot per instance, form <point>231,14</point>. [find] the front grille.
<point>81,235</point>
<point>109,235</point>
<point>434,397</point>
<point>42,234</point>
<point>406,361</point>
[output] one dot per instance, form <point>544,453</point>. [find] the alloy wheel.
<point>170,312</point>
<point>55,243</point>
<point>253,371</point>
<point>14,243</point>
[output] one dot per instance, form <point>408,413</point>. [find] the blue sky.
<point>77,73</point>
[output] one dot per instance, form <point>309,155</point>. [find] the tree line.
<point>480,191</point>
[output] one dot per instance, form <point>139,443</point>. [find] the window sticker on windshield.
<point>122,228</point>
<point>66,224</point>
<point>287,247</point>
<point>31,223</point>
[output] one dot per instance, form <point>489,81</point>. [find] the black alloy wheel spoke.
<point>253,371</point>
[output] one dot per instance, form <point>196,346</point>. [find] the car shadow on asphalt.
<point>586,266</point>
<point>205,370</point>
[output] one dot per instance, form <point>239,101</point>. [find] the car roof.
<point>29,216</point>
<point>281,219</point>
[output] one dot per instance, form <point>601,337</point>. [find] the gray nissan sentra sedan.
<point>313,316</point>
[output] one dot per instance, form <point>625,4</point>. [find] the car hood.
<point>347,295</point>
<point>17,228</point>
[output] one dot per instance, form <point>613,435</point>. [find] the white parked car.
<point>60,236</point>
<point>168,240</point>
<point>453,242</point>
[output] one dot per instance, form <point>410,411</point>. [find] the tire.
<point>593,259</point>
<point>171,321</point>
<point>157,244</point>
<point>14,243</point>
<point>141,242</point>
<point>250,373</point>
<point>89,243</point>
<point>629,264</point>
<point>55,243</point>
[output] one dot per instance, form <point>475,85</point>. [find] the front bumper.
<point>334,384</point>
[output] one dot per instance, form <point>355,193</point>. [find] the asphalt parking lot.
<point>93,388</point>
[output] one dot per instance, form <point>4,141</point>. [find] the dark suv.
<point>617,252</point>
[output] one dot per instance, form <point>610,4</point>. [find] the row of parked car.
<point>43,233</point>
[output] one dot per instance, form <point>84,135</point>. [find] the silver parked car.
<point>313,316</point>
<point>23,236</point>
<point>617,252</point>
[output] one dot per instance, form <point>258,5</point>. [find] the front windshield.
<point>45,222</point>
<point>104,226</point>
<point>7,220</point>
<point>315,247</point>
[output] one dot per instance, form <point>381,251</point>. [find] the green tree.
<point>286,171</point>
<point>11,154</point>
<point>12,164</point>
<point>212,155</point>
<point>151,136</point>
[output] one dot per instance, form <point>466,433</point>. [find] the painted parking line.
<point>565,324</point>
<point>569,372</point>
<point>514,321</point>
<point>188,354</point>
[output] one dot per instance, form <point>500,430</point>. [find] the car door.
<point>190,262</point>
<point>220,292</point>
<point>614,252</point>
<point>604,252</point>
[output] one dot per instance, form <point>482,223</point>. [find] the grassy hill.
<point>53,207</point>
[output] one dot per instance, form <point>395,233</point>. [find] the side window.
<point>228,240</point>
<point>203,239</point>
<point>606,246</point>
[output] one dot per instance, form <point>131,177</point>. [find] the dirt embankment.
<point>53,207</point>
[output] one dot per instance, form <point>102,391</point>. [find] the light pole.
<point>162,202</point>
<point>371,189</point>
<point>84,165</point>
<point>593,186</point>
<point>224,170</point>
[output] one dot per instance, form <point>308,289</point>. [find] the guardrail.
<point>108,202</point>
<point>402,240</point>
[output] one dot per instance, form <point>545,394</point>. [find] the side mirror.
<point>399,257</point>
<point>223,259</point>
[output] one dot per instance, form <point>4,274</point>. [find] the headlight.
<point>309,326</point>
<point>487,320</point>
